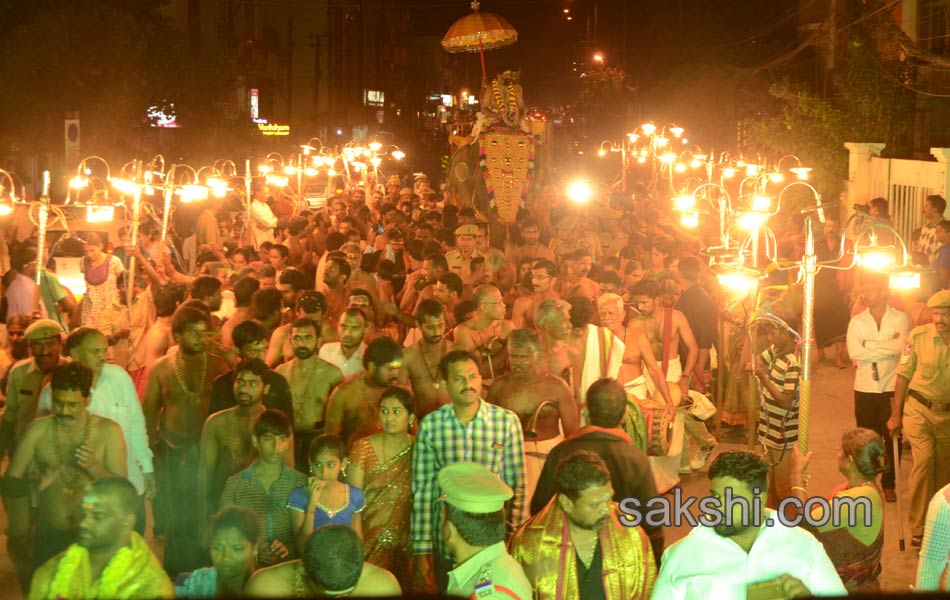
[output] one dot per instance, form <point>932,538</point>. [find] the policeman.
<point>460,259</point>
<point>473,531</point>
<point>27,376</point>
<point>923,380</point>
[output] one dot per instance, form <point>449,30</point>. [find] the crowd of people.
<point>396,394</point>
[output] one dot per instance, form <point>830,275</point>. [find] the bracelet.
<point>798,487</point>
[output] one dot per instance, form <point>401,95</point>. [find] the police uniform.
<point>491,574</point>
<point>25,381</point>
<point>458,263</point>
<point>926,415</point>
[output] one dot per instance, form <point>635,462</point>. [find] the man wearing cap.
<point>578,546</point>
<point>460,259</point>
<point>473,529</point>
<point>925,416</point>
<point>27,377</point>
<point>469,429</point>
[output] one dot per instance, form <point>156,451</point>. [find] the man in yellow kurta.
<point>576,547</point>
<point>109,559</point>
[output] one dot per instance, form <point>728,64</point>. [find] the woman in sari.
<point>854,550</point>
<point>101,271</point>
<point>381,465</point>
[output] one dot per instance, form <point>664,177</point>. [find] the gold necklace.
<point>299,400</point>
<point>432,373</point>
<point>180,375</point>
<point>67,458</point>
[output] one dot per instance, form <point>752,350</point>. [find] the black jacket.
<point>630,473</point>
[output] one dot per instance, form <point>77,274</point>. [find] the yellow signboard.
<point>273,129</point>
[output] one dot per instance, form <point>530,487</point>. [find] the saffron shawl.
<point>132,573</point>
<point>544,549</point>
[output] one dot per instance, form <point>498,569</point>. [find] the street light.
<point>579,192</point>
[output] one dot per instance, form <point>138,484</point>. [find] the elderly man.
<point>925,417</point>
<point>485,334</point>
<point>607,558</point>
<point>558,357</point>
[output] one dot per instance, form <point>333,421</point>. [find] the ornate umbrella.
<point>477,32</point>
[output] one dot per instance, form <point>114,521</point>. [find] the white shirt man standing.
<point>876,338</point>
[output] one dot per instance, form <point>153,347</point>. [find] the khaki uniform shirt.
<point>23,392</point>
<point>925,364</point>
<point>459,265</point>
<point>490,574</point>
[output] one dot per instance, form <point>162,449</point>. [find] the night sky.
<point>649,39</point>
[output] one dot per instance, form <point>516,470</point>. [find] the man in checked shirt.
<point>466,430</point>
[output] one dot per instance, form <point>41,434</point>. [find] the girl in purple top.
<point>326,500</point>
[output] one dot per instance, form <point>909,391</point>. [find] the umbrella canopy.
<point>477,32</point>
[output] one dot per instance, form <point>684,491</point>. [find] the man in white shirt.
<point>742,559</point>
<point>263,220</point>
<point>876,338</point>
<point>347,354</point>
<point>21,295</point>
<point>113,397</point>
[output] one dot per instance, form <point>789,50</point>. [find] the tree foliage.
<point>602,100</point>
<point>873,106</point>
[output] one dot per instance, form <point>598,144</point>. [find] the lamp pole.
<point>248,232</point>
<point>41,239</point>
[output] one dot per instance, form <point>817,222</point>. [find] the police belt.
<point>931,405</point>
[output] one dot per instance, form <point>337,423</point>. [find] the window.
<point>933,25</point>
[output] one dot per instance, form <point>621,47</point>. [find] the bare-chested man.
<point>652,323</point>
<point>311,305</point>
<point>638,356</point>
<point>336,278</point>
<point>544,286</point>
<point>69,449</point>
<point>422,358</point>
<point>226,441</point>
<point>311,381</point>
<point>332,567</point>
<point>486,334</point>
<point>159,337</point>
<point>558,357</point>
<point>353,410</point>
<point>543,402</point>
<point>577,282</point>
<point>177,396</point>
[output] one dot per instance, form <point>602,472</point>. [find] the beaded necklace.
<point>183,382</point>
<point>299,400</point>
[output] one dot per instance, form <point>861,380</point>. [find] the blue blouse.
<point>355,502</point>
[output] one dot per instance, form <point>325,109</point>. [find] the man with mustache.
<point>353,410</point>
<point>543,286</point>
<point>27,377</point>
<point>113,397</point>
<point>446,436</point>
<point>311,380</point>
<point>543,402</point>
<point>69,449</point>
<point>601,557</point>
<point>731,555</point>
<point>422,358</point>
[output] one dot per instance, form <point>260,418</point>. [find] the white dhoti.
<point>535,453</point>
<point>666,468</point>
